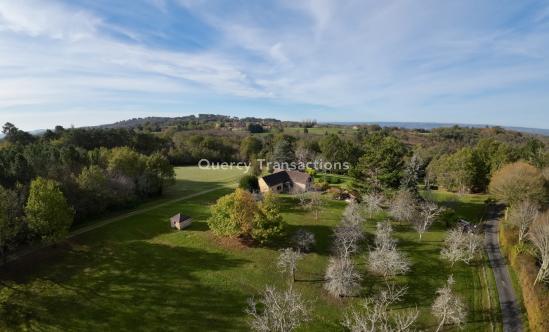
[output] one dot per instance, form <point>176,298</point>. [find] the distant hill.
<point>174,121</point>
<point>432,125</point>
<point>164,122</point>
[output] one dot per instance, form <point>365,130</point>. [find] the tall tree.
<point>283,152</point>
<point>47,211</point>
<point>250,147</point>
<point>382,164</point>
<point>10,223</point>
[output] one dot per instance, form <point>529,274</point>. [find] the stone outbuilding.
<point>286,182</point>
<point>180,221</point>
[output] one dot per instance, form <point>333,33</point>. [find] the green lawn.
<point>136,274</point>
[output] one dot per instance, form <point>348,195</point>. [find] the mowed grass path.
<point>136,274</point>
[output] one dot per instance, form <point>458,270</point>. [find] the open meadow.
<point>137,274</point>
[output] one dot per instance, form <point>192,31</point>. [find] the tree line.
<point>66,176</point>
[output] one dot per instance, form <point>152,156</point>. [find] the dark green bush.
<point>249,182</point>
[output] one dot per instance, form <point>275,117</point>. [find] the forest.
<point>91,171</point>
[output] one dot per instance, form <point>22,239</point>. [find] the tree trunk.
<point>441,324</point>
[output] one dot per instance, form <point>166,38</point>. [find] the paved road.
<point>510,310</point>
<point>85,229</point>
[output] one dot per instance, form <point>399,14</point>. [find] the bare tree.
<point>448,307</point>
<point>316,203</point>
<point>373,204</point>
<point>403,206</point>
<point>385,259</point>
<point>539,236</point>
<point>383,236</point>
<point>287,261</point>
<point>388,262</point>
<point>281,311</point>
<point>376,314</point>
<point>428,212</point>
<point>302,196</point>
<point>303,240</point>
<point>347,236</point>
<point>353,214</point>
<point>342,279</point>
<point>521,216</point>
<point>461,245</point>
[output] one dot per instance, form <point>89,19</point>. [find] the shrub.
<point>535,298</point>
<point>321,186</point>
<point>249,183</point>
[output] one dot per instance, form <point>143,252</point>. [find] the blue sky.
<point>85,62</point>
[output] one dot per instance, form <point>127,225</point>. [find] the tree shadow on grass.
<point>290,204</point>
<point>126,287</point>
<point>323,238</point>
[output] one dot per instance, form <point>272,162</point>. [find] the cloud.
<point>360,59</point>
<point>54,20</point>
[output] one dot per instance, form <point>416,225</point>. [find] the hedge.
<point>535,299</point>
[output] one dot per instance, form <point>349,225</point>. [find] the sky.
<point>87,62</point>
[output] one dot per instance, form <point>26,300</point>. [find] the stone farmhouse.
<point>286,182</point>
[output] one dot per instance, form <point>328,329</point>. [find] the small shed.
<point>180,221</point>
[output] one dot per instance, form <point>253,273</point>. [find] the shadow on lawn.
<point>127,286</point>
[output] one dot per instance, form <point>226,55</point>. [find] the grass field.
<point>136,274</point>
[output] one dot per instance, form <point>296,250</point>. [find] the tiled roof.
<point>286,176</point>
<point>276,178</point>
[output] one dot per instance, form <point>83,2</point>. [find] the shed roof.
<point>179,217</point>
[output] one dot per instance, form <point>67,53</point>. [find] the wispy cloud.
<point>364,60</point>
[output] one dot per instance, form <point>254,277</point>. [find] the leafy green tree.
<point>125,161</point>
<point>268,224</point>
<point>283,152</point>
<point>382,164</point>
<point>250,146</point>
<point>94,191</point>
<point>160,166</point>
<point>233,214</point>
<point>534,152</point>
<point>459,171</point>
<point>491,155</point>
<point>10,223</point>
<point>338,150</point>
<point>47,211</point>
<point>16,136</point>
<point>255,128</point>
<point>238,215</point>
